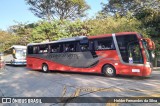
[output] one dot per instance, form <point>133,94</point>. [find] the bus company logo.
<point>59,56</point>
<point>6,100</point>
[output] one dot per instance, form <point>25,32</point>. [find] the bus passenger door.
<point>135,58</point>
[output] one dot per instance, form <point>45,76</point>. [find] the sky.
<point>13,12</point>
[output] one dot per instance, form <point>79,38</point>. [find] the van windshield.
<point>20,54</point>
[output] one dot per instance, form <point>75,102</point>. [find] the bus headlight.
<point>148,64</point>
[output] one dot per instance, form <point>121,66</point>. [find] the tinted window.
<point>9,51</point>
<point>104,44</point>
<point>91,45</point>
<point>30,50</point>
<point>134,52</point>
<point>84,47</point>
<point>56,48</point>
<point>43,49</point>
<point>129,48</point>
<point>70,47</point>
<point>148,55</point>
<point>35,49</point>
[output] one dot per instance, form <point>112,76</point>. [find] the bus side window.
<point>91,45</point>
<point>70,47</point>
<point>43,49</point>
<point>78,47</point>
<point>67,49</point>
<point>30,50</point>
<point>56,48</point>
<point>35,49</point>
<point>84,47</point>
<point>9,51</point>
<point>104,44</point>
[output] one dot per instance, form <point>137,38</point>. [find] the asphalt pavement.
<point>23,82</point>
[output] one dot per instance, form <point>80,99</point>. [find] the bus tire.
<point>45,68</point>
<point>109,71</point>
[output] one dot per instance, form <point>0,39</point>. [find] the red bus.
<point>126,53</point>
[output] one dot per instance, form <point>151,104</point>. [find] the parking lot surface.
<point>23,82</point>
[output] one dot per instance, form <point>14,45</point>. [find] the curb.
<point>156,68</point>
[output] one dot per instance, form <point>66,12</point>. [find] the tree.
<point>49,31</point>
<point>23,31</point>
<point>122,7</point>
<point>115,24</point>
<point>117,6</point>
<point>6,40</point>
<point>58,9</point>
<point>146,11</point>
<point>57,29</point>
<point>79,28</point>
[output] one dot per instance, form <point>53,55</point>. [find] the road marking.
<point>64,91</point>
<point>77,92</point>
<point>112,104</point>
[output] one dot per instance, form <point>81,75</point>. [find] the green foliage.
<point>148,12</point>
<point>58,9</point>
<point>6,40</point>
<point>58,29</point>
<point>116,24</point>
<point>145,11</point>
<point>151,21</point>
<point>133,6</point>
<point>23,31</point>
<point>78,28</point>
<point>117,6</point>
<point>49,31</point>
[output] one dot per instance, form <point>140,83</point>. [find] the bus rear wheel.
<point>109,71</point>
<point>45,68</point>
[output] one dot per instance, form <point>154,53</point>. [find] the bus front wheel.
<point>45,68</point>
<point>109,71</point>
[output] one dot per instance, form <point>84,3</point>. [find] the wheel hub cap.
<point>110,70</point>
<point>44,68</point>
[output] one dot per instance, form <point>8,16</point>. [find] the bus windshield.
<point>129,49</point>
<point>20,54</point>
<point>146,50</point>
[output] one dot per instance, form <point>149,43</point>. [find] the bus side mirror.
<point>154,47</point>
<point>150,44</point>
<point>14,51</point>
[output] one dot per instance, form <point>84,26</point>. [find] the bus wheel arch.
<point>108,70</point>
<point>45,68</point>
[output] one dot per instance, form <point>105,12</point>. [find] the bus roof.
<point>18,47</point>
<point>83,37</point>
<point>62,40</point>
<point>1,54</point>
<point>109,35</point>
